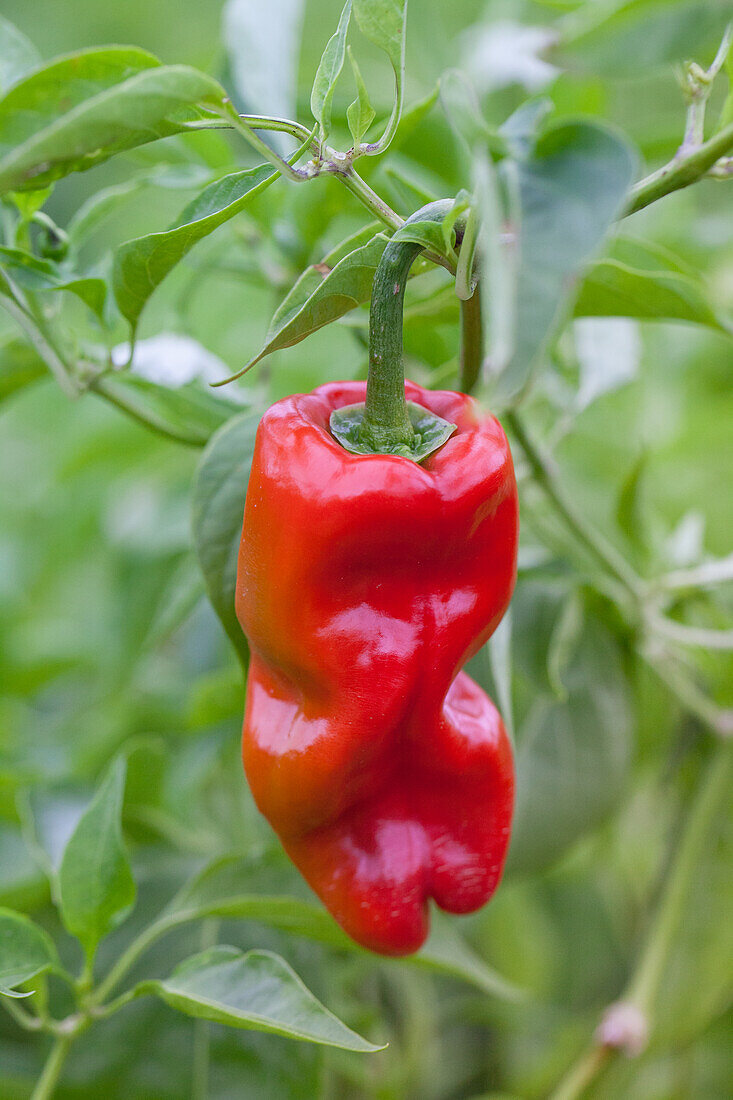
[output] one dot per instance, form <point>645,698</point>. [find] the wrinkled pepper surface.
<point>364,585</point>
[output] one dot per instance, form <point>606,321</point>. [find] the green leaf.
<point>323,294</point>
<point>328,72</point>
<point>96,887</point>
<point>256,991</point>
<point>563,642</point>
<point>28,202</point>
<point>82,109</point>
<point>141,265</point>
<point>571,188</point>
<point>23,883</point>
<point>20,366</point>
<point>572,755</point>
<point>614,289</point>
<point>464,114</point>
<point>189,414</point>
<point>632,516</point>
<point>383,23</point>
<point>219,491</point>
<point>412,116</point>
<point>227,889</point>
<point>28,271</point>
<point>360,113</point>
<point>428,234</point>
<point>409,185</point>
<point>18,55</point>
<point>25,951</point>
<point>637,37</point>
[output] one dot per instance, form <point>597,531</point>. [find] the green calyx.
<point>386,423</point>
<point>429,432</point>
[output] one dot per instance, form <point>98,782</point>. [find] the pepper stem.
<point>386,424</point>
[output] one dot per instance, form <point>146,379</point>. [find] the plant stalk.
<point>386,422</point>
<point>52,1070</point>
<point>681,171</point>
<point>471,342</point>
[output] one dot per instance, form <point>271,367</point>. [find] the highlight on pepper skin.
<point>364,585</point>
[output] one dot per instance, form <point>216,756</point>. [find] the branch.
<point>625,1025</point>
<point>681,171</point>
<point>544,474</point>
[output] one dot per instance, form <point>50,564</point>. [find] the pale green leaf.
<point>571,188</point>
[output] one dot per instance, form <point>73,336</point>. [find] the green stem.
<point>544,474</point>
<point>31,320</point>
<point>359,187</point>
<point>386,422</point>
<point>202,1035</point>
<point>471,342</point>
<point>643,989</point>
<point>138,946</point>
<point>681,171</point>
<point>52,1070</point>
<point>108,387</point>
<point>582,1074</point>
<point>21,1017</point>
<point>264,149</point>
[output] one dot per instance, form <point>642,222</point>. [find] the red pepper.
<point>365,583</point>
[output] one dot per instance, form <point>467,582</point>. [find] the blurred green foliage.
<point>108,642</point>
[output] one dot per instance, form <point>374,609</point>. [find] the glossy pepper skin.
<point>364,584</point>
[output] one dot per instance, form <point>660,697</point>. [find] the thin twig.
<point>679,173</point>
<point>637,1004</point>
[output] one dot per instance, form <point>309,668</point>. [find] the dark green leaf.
<point>570,190</point>
<point>323,294</point>
<point>255,991</point>
<point>141,265</point>
<point>25,951</point>
<point>328,72</point>
<point>96,887</point>
<point>219,492</point>
<point>572,756</point>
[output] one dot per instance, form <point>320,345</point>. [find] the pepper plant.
<point>518,228</point>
